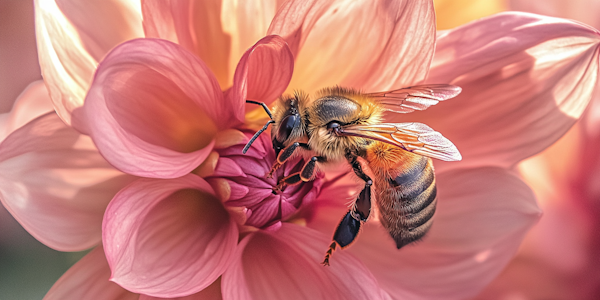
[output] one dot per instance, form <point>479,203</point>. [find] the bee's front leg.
<point>285,154</point>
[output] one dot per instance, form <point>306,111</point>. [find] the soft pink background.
<point>28,268</point>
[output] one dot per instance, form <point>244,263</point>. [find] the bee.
<point>340,124</point>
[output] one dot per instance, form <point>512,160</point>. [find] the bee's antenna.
<point>263,106</point>
<point>255,136</point>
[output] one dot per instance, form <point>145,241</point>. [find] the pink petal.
<point>72,36</point>
<point>585,11</point>
<point>268,211</point>
<point>168,238</point>
<point>525,80</point>
<point>56,184</point>
<point>370,46</point>
<point>237,190</point>
<point>219,32</point>
<point>332,203</point>
<point>285,264</point>
<point>212,292</point>
<point>33,102</point>
<point>481,219</point>
<point>262,74</point>
<point>230,137</point>
<point>226,167</point>
<point>88,279</point>
<point>154,109</point>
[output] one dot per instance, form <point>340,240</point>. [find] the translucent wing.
<point>413,98</point>
<point>413,137</point>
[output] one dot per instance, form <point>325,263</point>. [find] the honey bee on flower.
<point>345,124</point>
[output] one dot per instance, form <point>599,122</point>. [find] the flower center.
<point>265,205</point>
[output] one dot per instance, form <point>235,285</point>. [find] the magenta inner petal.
<point>257,193</point>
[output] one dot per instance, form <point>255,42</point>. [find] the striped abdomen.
<point>406,192</point>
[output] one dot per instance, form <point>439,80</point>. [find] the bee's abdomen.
<point>406,197</point>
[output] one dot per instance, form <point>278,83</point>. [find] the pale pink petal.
<point>332,203</point>
<point>482,216</point>
<point>168,238</point>
<point>88,279</point>
<point>154,108</point>
<point>212,292</point>
<point>56,184</point>
<point>72,36</point>
<point>33,102</point>
<point>585,11</point>
<point>592,116</point>
<point>286,264</point>
<point>263,73</point>
<point>525,80</point>
<point>361,44</point>
<point>218,32</point>
<point>585,182</point>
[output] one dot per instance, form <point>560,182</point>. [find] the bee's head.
<point>288,125</point>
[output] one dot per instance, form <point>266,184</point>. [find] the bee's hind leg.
<point>349,226</point>
<point>347,231</point>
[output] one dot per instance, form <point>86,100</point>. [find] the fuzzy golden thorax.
<point>345,107</point>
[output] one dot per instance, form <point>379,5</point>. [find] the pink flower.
<point>202,221</point>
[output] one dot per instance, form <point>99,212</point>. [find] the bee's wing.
<point>413,137</point>
<point>413,98</point>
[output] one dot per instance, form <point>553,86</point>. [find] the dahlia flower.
<point>173,208</point>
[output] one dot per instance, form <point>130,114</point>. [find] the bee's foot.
<point>280,186</point>
<point>274,168</point>
<point>276,190</point>
<point>328,254</point>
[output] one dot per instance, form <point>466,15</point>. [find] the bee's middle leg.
<point>306,174</point>
<point>285,154</point>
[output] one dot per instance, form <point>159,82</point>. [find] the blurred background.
<point>27,268</point>
<point>558,261</point>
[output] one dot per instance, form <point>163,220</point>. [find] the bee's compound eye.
<point>286,127</point>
